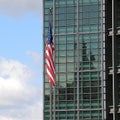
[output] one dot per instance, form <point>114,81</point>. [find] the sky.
<point>21,56</point>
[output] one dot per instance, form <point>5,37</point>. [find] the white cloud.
<point>19,98</point>
<point>14,69</point>
<point>18,7</point>
<point>4,118</point>
<point>38,58</point>
<point>31,112</point>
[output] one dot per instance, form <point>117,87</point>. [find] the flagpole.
<point>50,102</point>
<point>50,20</point>
<point>114,87</point>
<point>54,90</point>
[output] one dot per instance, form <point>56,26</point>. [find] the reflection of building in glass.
<point>87,60</point>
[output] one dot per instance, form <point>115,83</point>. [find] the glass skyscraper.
<point>87,60</point>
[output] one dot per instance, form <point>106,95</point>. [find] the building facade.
<point>87,59</point>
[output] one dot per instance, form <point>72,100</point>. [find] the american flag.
<point>50,65</point>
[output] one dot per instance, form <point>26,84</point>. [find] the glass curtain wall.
<point>118,45</point>
<point>78,32</point>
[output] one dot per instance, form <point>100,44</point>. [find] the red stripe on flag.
<point>51,71</point>
<point>52,82</point>
<point>50,68</point>
<point>49,54</point>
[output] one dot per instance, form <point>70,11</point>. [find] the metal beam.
<point>114,65</point>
